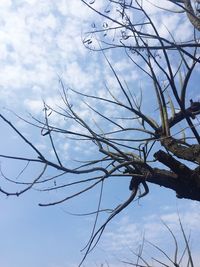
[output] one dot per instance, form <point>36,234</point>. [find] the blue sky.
<point>39,41</point>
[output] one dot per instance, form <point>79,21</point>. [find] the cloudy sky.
<point>40,42</point>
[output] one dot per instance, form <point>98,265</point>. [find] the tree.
<point>158,144</point>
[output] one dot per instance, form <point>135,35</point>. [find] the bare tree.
<point>158,144</point>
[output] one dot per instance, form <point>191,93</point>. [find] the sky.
<point>41,42</point>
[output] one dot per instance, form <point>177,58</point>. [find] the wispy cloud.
<point>128,233</point>
<point>38,41</point>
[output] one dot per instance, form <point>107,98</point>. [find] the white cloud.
<point>127,233</point>
<point>76,9</point>
<point>78,77</point>
<point>5,4</point>
<point>36,44</point>
<point>40,39</point>
<point>190,218</point>
<point>35,106</point>
<point>152,6</point>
